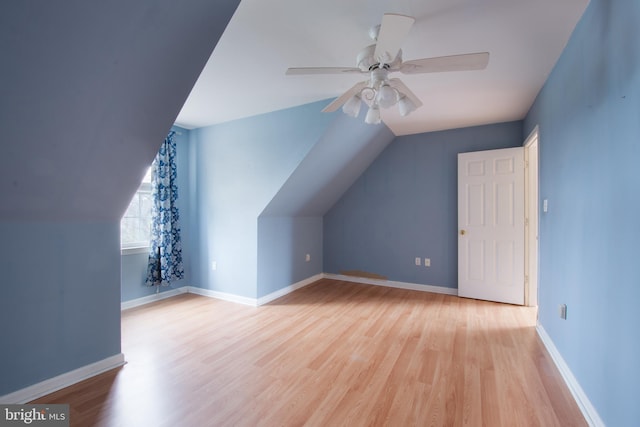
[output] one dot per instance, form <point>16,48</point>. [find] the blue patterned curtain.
<point>165,257</point>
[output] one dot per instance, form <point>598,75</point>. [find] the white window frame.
<point>138,247</point>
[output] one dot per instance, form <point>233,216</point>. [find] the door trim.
<point>531,224</point>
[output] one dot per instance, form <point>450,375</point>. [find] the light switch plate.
<point>562,311</point>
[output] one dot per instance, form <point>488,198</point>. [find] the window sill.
<point>135,250</point>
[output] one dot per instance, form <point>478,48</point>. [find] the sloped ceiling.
<point>343,153</point>
<point>245,74</point>
<point>88,90</point>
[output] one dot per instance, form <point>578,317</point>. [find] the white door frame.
<point>531,182</point>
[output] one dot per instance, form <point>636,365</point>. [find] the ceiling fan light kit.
<point>377,94</point>
<point>382,58</point>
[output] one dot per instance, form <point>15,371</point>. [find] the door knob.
<point>462,232</point>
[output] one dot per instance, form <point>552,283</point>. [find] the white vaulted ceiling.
<point>245,75</point>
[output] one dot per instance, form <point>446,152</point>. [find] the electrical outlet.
<point>307,257</point>
<point>418,260</point>
<point>427,262</point>
<point>214,265</point>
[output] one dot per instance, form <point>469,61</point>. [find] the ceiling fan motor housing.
<point>366,61</point>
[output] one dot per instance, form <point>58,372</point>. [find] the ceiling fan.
<point>385,57</point>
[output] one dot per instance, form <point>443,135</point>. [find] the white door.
<point>491,225</point>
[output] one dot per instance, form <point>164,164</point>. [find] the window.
<point>135,225</point>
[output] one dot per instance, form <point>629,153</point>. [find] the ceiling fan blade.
<point>466,62</point>
<point>339,101</point>
<point>321,70</point>
<point>393,30</point>
<point>402,88</point>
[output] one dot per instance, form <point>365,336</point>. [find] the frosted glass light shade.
<point>405,106</point>
<point>373,115</point>
<point>387,96</point>
<point>352,106</point>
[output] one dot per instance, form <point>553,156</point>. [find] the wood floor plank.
<point>333,353</point>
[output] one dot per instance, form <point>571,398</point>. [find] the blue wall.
<point>589,118</point>
<point>405,206</point>
<point>291,224</point>
<point>83,110</point>
<point>260,187</point>
<point>134,265</point>
<point>283,243</point>
<point>239,167</point>
<point>60,304</point>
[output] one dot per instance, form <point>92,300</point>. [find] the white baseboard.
<point>288,289</point>
<point>223,296</point>
<point>587,409</point>
<point>393,284</point>
<point>67,379</point>
<point>152,298</point>
<point>254,302</point>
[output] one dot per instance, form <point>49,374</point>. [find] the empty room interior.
<point>386,213</point>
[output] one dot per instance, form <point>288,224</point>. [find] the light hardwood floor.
<point>330,354</point>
